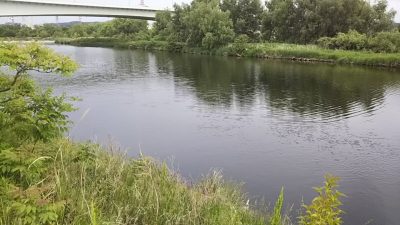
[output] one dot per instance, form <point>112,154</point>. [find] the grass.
<point>70,183</point>
<point>305,53</point>
<point>313,53</point>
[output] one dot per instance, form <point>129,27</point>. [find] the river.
<point>265,123</point>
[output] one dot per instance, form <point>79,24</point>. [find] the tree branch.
<point>20,71</point>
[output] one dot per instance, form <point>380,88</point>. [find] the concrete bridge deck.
<point>10,8</point>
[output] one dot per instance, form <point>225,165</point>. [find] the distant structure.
<point>142,3</point>
<point>19,8</point>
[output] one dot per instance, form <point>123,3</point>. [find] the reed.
<point>69,183</point>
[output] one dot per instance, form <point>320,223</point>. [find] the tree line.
<point>212,23</point>
<point>290,21</point>
<point>113,28</point>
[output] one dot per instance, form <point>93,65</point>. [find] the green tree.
<point>382,19</point>
<point>245,15</point>
<point>47,30</point>
<point>9,30</point>
<point>207,25</point>
<point>162,26</point>
<point>28,113</point>
<point>280,21</point>
<point>305,21</point>
<point>128,27</point>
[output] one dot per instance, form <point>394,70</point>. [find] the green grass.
<point>305,53</point>
<point>67,183</point>
<point>313,53</point>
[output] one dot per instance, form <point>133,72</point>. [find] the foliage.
<point>162,26</point>
<point>123,28</point>
<point>276,218</point>
<point>84,184</point>
<point>324,209</point>
<point>312,53</point>
<point>240,43</point>
<point>388,42</point>
<point>245,15</point>
<point>212,23</point>
<point>349,41</point>
<point>209,31</point>
<point>14,30</point>
<point>28,113</point>
<point>305,21</point>
<point>384,42</point>
<point>127,27</point>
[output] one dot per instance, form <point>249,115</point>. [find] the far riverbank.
<point>293,52</point>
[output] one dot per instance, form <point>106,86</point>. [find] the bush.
<point>384,42</point>
<point>349,41</point>
<point>239,45</point>
<point>324,209</point>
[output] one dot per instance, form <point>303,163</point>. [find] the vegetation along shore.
<point>338,31</point>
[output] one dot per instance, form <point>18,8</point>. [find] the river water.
<point>265,123</point>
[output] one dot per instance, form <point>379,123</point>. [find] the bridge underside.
<point>23,8</point>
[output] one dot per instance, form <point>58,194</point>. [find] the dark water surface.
<point>266,123</point>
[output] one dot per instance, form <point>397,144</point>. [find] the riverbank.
<point>293,52</point>
<point>72,183</point>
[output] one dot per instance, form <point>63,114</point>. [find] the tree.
<point>9,30</point>
<point>305,21</point>
<point>28,113</point>
<point>210,31</point>
<point>163,27</point>
<point>128,27</point>
<point>245,15</point>
<point>382,19</point>
<point>281,21</point>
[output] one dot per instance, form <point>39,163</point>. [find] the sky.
<point>157,4</point>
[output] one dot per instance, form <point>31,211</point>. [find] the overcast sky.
<point>158,4</point>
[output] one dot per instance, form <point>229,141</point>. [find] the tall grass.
<point>84,184</point>
<point>314,53</point>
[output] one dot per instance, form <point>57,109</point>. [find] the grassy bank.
<point>67,183</point>
<point>304,53</point>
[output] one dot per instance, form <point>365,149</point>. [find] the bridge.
<point>11,8</point>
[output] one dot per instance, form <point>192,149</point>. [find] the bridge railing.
<point>122,4</point>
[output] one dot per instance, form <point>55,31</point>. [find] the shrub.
<point>324,209</point>
<point>349,41</point>
<point>239,45</point>
<point>383,42</point>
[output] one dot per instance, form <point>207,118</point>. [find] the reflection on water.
<point>322,92</point>
<point>267,123</point>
